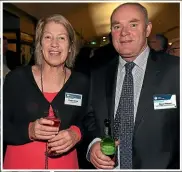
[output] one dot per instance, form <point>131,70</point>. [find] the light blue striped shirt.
<point>138,76</point>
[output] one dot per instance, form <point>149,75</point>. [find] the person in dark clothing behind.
<point>82,65</point>
<point>32,59</point>
<point>158,42</point>
<point>82,62</point>
<point>103,54</point>
<point>10,58</point>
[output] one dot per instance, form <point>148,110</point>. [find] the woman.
<point>49,85</point>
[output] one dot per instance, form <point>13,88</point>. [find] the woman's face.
<point>55,44</point>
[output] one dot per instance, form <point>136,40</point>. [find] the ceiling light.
<point>93,42</point>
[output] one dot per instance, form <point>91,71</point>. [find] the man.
<point>10,58</point>
<point>158,42</point>
<point>174,49</point>
<point>139,92</point>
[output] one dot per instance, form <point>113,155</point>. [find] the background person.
<point>10,58</point>
<point>158,42</point>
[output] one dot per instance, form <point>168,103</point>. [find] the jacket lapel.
<point>111,80</point>
<point>150,81</point>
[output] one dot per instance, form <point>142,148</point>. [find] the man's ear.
<point>148,29</point>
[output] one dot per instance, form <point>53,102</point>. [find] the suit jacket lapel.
<point>148,89</point>
<point>111,80</point>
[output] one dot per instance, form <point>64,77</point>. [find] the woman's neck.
<point>51,79</point>
<point>52,72</point>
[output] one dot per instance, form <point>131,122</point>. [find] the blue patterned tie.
<point>124,119</point>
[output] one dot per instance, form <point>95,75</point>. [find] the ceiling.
<point>93,19</point>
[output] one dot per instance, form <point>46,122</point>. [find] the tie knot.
<point>129,67</point>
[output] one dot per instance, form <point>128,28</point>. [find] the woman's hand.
<point>63,141</point>
<point>42,129</point>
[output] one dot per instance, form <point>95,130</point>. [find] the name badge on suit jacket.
<point>73,99</point>
<point>164,101</point>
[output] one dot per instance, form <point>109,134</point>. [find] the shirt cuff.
<point>90,145</point>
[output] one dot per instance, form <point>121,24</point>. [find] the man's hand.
<point>98,159</point>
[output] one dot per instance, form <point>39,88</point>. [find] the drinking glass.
<point>57,121</point>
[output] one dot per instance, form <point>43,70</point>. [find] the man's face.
<point>155,43</point>
<point>129,31</point>
<point>5,46</point>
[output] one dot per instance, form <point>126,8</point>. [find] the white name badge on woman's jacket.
<point>73,99</point>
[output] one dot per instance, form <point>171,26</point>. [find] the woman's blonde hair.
<point>57,18</point>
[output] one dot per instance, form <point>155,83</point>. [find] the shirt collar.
<point>140,61</point>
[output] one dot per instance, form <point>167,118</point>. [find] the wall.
<point>27,23</point>
<point>173,34</point>
<point>168,21</point>
<point>10,21</point>
<point>23,25</point>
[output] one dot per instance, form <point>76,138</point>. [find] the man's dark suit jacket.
<point>103,55</point>
<point>156,133</point>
